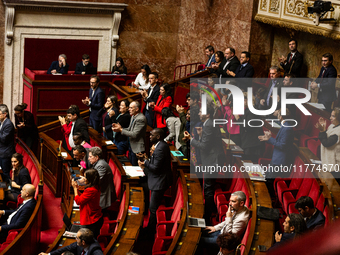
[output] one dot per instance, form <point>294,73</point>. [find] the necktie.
<point>83,252</point>
<point>290,58</point>
<point>324,70</point>
<point>270,92</point>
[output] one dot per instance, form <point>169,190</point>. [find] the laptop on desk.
<point>195,222</point>
<point>69,226</point>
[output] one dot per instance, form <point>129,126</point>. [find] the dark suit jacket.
<point>107,121</point>
<point>21,179</point>
<point>89,69</point>
<point>94,249</point>
<point>327,91</point>
<point>295,65</point>
<point>283,146</point>
<point>55,66</point>
<point>244,72</point>
<point>158,169</point>
<point>30,129</point>
<point>316,221</point>
<point>278,86</point>
<point>124,121</point>
<point>232,66</point>
<point>97,103</point>
<point>7,139</point>
<point>210,144</point>
<point>81,126</point>
<point>21,218</point>
<point>153,98</point>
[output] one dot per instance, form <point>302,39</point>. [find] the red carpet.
<point>52,219</point>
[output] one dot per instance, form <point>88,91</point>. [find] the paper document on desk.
<point>64,154</point>
<point>109,142</point>
<point>75,204</point>
<point>133,171</point>
<point>70,234</point>
<point>227,141</point>
<point>254,171</point>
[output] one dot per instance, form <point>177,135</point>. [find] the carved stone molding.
<point>10,12</point>
<point>116,21</point>
<point>293,14</point>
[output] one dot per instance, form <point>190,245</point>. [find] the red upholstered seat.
<point>325,213</point>
<point>93,143</point>
<point>180,96</point>
<point>12,234</point>
<point>110,226</point>
<point>321,203</point>
<point>245,237</point>
<point>314,146</point>
<point>172,213</point>
<point>289,197</point>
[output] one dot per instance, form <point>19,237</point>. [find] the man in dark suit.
<point>81,154</point>
<point>151,95</point>
<point>59,66</point>
<point>293,63</point>
<point>85,244</point>
<point>85,66</point>
<point>7,131</point>
<point>18,218</point>
<point>313,217</point>
<point>158,172</point>
<point>78,125</point>
<point>210,53</point>
<point>326,82</point>
<point>266,101</point>
<point>244,70</point>
<point>136,132</point>
<point>230,62</point>
<point>96,101</point>
<point>210,146</point>
<point>283,150</point>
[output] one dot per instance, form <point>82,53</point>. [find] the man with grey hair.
<point>59,66</point>
<point>266,101</point>
<point>107,188</point>
<point>235,222</point>
<point>6,142</point>
<point>85,244</point>
<point>136,132</point>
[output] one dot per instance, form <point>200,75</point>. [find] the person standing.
<point>293,63</point>
<point>96,102</point>
<point>24,122</point>
<point>158,172</point>
<point>136,132</point>
<point>6,142</point>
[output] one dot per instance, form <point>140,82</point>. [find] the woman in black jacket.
<point>109,107</point>
<point>19,177</point>
<point>123,118</point>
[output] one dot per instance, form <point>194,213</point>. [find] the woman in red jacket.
<point>88,201</point>
<point>164,100</point>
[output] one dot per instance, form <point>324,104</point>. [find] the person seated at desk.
<point>85,244</point>
<point>85,66</point>
<point>293,227</point>
<point>18,218</point>
<point>25,124</point>
<point>19,177</point>
<point>79,139</point>
<point>119,67</point>
<point>142,79</point>
<point>313,216</point>
<point>91,216</point>
<point>59,66</point>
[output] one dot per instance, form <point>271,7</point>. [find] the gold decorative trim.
<point>263,5</point>
<point>312,29</point>
<point>274,6</point>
